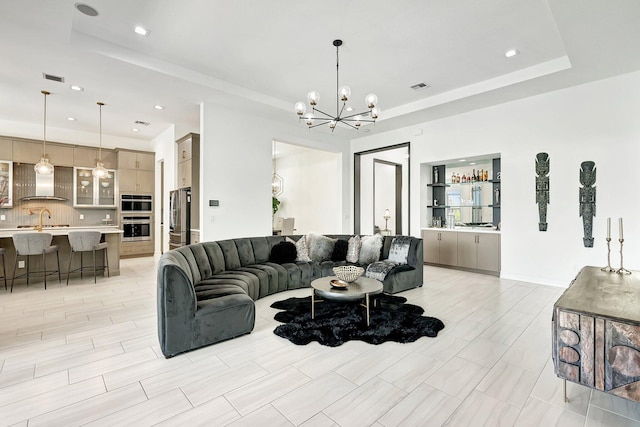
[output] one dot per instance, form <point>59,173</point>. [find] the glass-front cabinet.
<point>93,192</point>
<point>6,184</point>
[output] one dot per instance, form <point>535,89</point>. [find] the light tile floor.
<point>88,355</point>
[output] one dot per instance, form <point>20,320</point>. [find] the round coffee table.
<point>358,290</point>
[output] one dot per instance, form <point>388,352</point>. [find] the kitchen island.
<point>111,234</point>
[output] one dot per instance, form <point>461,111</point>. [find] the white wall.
<point>596,121</point>
<point>165,148</point>
<point>236,149</point>
<point>312,182</point>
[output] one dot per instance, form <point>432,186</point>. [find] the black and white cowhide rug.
<point>337,321</point>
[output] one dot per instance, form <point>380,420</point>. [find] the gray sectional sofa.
<point>206,291</point>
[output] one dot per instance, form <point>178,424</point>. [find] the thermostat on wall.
<point>214,202</point>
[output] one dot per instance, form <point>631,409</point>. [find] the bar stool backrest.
<point>84,240</point>
<point>31,243</point>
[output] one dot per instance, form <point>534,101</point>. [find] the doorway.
<point>381,183</point>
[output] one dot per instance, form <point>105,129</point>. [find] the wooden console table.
<point>596,332</point>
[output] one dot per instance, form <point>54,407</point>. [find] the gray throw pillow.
<point>370,250</point>
<point>399,249</point>
<point>320,247</point>
<point>302,251</point>
<point>353,251</point>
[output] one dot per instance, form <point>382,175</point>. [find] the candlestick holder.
<point>608,268</point>
<point>622,270</point>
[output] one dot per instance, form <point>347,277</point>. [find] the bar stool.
<point>34,243</point>
<point>85,241</point>
<point>3,251</point>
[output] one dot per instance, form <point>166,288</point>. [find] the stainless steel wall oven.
<point>136,228</point>
<point>138,203</point>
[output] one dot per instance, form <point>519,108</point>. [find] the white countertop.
<point>465,229</point>
<point>60,231</point>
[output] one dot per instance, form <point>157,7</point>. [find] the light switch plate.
<point>3,217</point>
<point>81,216</point>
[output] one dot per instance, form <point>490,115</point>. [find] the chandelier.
<point>343,114</point>
<point>100,171</point>
<point>277,183</point>
<point>43,167</point>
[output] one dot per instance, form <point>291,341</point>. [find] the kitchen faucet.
<point>39,226</point>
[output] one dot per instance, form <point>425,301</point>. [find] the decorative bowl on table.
<point>348,273</point>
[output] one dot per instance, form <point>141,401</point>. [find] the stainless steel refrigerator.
<point>179,217</point>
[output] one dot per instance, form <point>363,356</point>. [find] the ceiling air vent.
<point>140,122</point>
<point>420,86</point>
<point>53,78</point>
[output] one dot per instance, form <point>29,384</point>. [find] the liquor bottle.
<point>464,178</point>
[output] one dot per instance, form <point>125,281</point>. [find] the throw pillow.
<point>371,248</point>
<point>320,247</point>
<point>340,251</point>
<point>399,249</point>
<point>283,252</point>
<point>302,252</point>
<point>353,251</point>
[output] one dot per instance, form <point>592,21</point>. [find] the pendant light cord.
<point>100,104</point>
<point>337,79</point>
<point>44,136</point>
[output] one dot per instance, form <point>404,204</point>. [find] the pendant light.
<point>100,171</point>
<point>43,167</point>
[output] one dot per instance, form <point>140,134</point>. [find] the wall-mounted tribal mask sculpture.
<point>587,200</point>
<point>542,188</point>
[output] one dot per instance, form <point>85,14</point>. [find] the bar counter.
<point>112,235</point>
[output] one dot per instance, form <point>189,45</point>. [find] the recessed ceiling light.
<point>158,107</point>
<point>86,9</point>
<point>135,129</point>
<point>349,109</point>
<point>78,88</point>
<point>71,119</point>
<point>462,160</point>
<point>141,30</point>
<point>472,163</point>
<point>511,53</point>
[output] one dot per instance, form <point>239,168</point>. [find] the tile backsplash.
<point>62,212</point>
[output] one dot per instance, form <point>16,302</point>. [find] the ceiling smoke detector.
<point>420,86</point>
<point>53,78</point>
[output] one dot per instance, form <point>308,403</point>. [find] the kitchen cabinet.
<point>136,181</point>
<point>136,249</point>
<point>6,149</point>
<point>479,251</point>
<point>6,183</point>
<point>93,192</point>
<point>188,171</point>
<point>440,247</point>
<point>31,152</point>
<point>195,237</point>
<point>136,172</point>
<point>136,160</point>
<point>87,157</point>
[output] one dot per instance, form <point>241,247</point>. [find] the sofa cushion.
<point>261,249</point>
<point>340,250</point>
<point>371,249</point>
<point>320,247</point>
<point>283,252</point>
<point>216,257</point>
<point>245,252</point>
<point>353,251</point>
<point>230,252</point>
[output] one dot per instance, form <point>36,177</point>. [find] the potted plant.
<point>275,204</point>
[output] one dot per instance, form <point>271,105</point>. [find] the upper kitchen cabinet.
<point>136,160</point>
<point>6,149</point>
<point>31,152</point>
<point>136,172</point>
<point>87,157</point>
<point>6,183</point>
<point>188,159</point>
<point>93,192</point>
